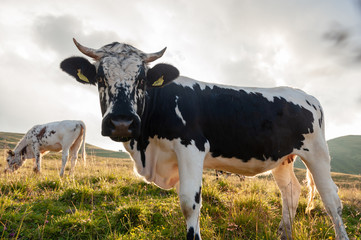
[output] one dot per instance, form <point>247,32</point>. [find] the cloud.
<point>55,33</point>
<point>344,36</point>
<point>312,45</point>
<point>345,43</point>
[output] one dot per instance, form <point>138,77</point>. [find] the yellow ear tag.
<point>159,82</point>
<point>81,76</point>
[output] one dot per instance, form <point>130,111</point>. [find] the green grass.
<point>106,200</point>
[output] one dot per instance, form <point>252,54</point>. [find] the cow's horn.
<point>150,57</point>
<point>87,51</point>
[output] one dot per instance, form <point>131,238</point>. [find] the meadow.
<point>106,200</point>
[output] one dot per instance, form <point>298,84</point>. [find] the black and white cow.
<point>66,136</point>
<point>174,130</point>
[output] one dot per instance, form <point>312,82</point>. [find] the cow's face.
<point>14,161</point>
<point>122,76</point>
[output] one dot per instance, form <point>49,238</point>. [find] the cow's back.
<point>241,123</point>
<point>53,136</point>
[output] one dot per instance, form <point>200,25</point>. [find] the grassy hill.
<point>9,141</point>
<point>345,154</point>
<point>100,152</point>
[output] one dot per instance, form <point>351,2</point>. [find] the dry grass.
<point>105,200</point>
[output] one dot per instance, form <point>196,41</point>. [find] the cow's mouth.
<point>12,168</point>
<point>120,139</point>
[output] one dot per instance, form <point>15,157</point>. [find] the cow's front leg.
<point>190,165</point>
<point>37,156</point>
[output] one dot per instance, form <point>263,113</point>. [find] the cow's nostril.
<point>121,128</point>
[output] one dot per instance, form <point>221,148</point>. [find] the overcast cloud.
<point>311,45</point>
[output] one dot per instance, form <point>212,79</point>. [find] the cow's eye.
<point>102,82</point>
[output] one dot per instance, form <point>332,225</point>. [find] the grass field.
<point>105,200</point>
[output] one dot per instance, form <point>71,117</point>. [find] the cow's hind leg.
<point>290,190</point>
<point>74,154</point>
<point>73,159</point>
<point>318,163</point>
<point>190,164</point>
<point>64,159</point>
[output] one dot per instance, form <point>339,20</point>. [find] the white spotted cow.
<point>66,136</point>
<point>175,126</point>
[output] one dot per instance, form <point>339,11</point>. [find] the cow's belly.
<point>54,148</point>
<point>250,168</point>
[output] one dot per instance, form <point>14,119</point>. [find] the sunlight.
<point>274,57</point>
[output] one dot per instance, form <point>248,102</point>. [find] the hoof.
<point>285,234</point>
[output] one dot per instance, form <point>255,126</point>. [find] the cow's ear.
<point>80,68</point>
<point>11,153</point>
<point>161,74</point>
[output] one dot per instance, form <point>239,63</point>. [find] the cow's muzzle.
<point>119,128</point>
<point>9,170</point>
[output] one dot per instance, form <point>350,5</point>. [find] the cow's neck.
<point>149,129</point>
<point>21,145</point>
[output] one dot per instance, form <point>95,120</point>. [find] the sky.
<point>311,45</point>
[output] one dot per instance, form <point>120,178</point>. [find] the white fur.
<point>178,112</point>
<point>293,95</point>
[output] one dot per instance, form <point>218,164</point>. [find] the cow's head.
<point>122,75</point>
<point>14,160</point>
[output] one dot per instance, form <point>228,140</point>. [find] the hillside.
<point>345,154</point>
<point>9,140</point>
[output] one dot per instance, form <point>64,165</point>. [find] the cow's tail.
<point>83,153</point>
<point>311,192</point>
